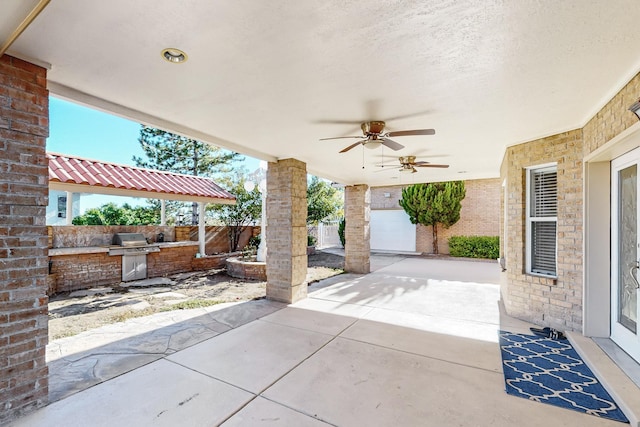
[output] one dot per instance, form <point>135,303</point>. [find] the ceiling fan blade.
<point>431,165</point>
<point>337,122</point>
<point>340,137</point>
<point>344,150</point>
<point>408,116</point>
<point>391,144</point>
<point>412,132</point>
<point>387,169</point>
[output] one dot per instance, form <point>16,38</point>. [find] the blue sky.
<point>84,132</point>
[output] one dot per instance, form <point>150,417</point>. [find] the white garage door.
<point>391,230</point>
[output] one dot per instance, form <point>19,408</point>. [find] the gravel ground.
<point>72,313</point>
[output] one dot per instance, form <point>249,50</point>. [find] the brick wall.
<point>170,261</point>
<point>24,126</point>
<point>557,303</point>
<point>479,216</point>
<point>82,271</point>
<point>286,231</point>
<point>613,118</point>
<point>357,208</point>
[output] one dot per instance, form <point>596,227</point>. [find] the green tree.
<point>245,212</point>
<point>323,201</point>
<point>110,214</point>
<point>433,204</point>
<point>174,153</point>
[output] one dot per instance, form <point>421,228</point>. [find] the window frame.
<point>530,220</point>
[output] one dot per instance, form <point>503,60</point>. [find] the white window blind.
<point>542,214</point>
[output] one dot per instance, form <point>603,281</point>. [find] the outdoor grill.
<point>131,243</point>
<point>134,249</point>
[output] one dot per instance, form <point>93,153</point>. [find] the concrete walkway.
<point>412,344</point>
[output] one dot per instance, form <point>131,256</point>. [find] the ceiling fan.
<point>374,136</point>
<point>409,164</point>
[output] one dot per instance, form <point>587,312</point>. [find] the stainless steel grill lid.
<point>129,239</point>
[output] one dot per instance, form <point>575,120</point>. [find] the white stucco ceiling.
<point>265,78</point>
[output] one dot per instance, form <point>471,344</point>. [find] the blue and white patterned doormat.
<point>552,372</point>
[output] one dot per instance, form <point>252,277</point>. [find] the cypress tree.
<point>433,204</point>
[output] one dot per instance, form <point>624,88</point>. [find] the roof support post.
<point>287,231</point>
<point>163,212</point>
<point>201,229</point>
<point>69,208</point>
<point>357,208</point>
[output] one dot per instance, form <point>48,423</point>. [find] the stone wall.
<point>216,237</point>
<point>87,270</point>
<point>479,216</point>
<point>24,127</point>
<point>170,261</point>
<point>77,236</point>
<point>541,300</point>
<point>82,271</point>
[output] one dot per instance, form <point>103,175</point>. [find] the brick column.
<point>357,244</point>
<point>24,126</point>
<point>286,230</point>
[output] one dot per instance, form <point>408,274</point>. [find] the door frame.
<point>596,315</point>
<point>620,334</point>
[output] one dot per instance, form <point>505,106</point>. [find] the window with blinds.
<point>542,211</point>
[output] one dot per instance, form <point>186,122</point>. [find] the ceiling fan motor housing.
<point>372,128</point>
<point>408,160</point>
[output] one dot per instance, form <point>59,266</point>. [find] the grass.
<point>188,305</point>
<point>185,305</point>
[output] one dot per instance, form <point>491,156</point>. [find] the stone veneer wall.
<point>77,236</point>
<point>541,300</point>
<point>24,127</point>
<point>83,271</point>
<point>357,203</point>
<point>479,216</point>
<point>89,270</point>
<point>216,237</point>
<point>286,230</point>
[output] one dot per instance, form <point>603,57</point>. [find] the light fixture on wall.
<point>173,55</point>
<point>635,108</point>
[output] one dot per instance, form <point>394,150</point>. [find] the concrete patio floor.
<point>414,343</point>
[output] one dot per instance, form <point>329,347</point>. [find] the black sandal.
<point>554,334</point>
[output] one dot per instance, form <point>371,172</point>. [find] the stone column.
<point>24,186</point>
<point>286,233</point>
<point>357,245</point>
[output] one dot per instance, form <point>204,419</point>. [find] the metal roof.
<point>91,176</point>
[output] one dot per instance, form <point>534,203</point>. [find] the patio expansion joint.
<point>260,393</point>
<point>421,355</point>
<point>476,322</point>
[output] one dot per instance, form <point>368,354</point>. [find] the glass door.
<point>624,251</point>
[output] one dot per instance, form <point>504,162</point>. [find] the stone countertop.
<point>176,244</point>
<point>105,249</point>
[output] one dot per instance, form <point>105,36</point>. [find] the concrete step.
<point>624,391</point>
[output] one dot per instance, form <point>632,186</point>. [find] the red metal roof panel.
<point>75,170</point>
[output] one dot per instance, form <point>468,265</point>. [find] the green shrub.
<point>341,231</point>
<point>475,246</point>
<point>311,241</point>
